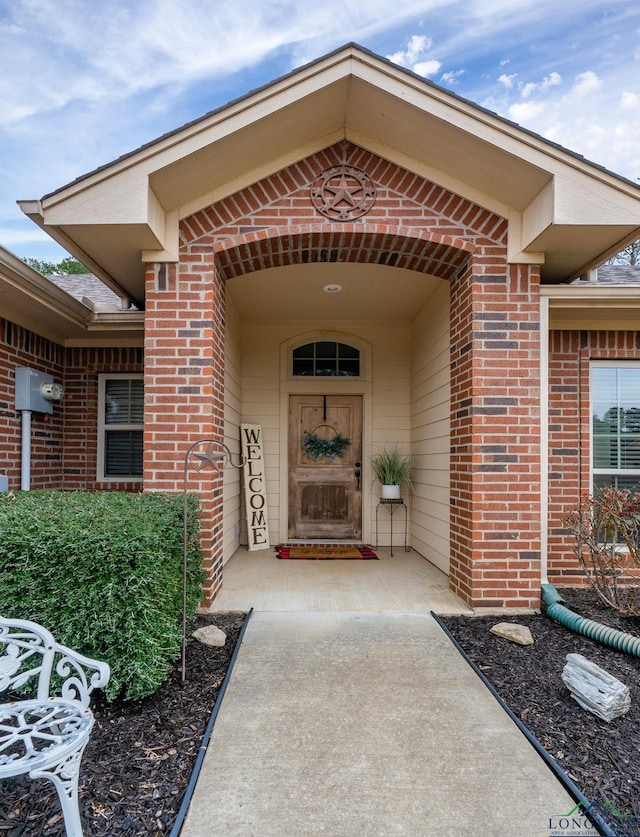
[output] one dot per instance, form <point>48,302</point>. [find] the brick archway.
<point>423,251</point>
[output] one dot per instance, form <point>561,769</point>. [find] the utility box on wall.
<point>35,390</point>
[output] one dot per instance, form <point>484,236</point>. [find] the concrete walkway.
<point>346,724</point>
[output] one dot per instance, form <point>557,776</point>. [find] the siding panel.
<point>430,399</point>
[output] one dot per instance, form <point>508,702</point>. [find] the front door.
<point>325,474</point>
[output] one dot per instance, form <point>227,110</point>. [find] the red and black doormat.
<point>326,552</point>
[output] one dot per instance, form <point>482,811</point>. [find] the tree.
<point>71,265</point>
<point>630,255</point>
<point>66,265</point>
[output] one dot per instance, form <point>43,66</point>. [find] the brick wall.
<point>82,368</point>
<point>184,387</point>
<point>63,443</point>
<point>495,435</point>
<point>21,347</point>
<point>570,353</point>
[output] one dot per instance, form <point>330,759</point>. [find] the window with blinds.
<point>120,427</point>
<point>615,425</point>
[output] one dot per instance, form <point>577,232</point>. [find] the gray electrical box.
<point>4,482</point>
<point>29,383</point>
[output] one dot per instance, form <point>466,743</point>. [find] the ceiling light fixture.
<point>332,289</point>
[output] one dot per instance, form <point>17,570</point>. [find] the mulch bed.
<point>602,759</point>
<point>140,756</point>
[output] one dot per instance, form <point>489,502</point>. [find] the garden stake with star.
<point>213,460</point>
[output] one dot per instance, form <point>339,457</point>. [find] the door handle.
<point>357,473</point>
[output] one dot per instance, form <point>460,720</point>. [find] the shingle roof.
<point>615,274</point>
<point>86,286</point>
<point>619,274</point>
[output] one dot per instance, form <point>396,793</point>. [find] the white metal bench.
<point>45,734</point>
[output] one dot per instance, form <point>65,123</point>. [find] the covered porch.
<point>404,583</point>
<point>396,322</point>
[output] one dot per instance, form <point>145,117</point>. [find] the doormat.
<point>326,552</point>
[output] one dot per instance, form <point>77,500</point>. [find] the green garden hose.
<point>558,610</point>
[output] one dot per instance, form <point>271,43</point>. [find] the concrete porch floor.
<point>404,583</point>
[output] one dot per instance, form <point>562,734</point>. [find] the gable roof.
<point>564,213</point>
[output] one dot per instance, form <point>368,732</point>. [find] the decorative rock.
<point>513,632</point>
<point>210,635</point>
<point>594,689</point>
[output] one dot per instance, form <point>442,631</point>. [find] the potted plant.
<point>392,469</point>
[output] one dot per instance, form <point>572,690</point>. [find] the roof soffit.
<point>539,187</point>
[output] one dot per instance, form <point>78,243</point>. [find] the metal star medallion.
<point>343,193</point>
<point>212,459</point>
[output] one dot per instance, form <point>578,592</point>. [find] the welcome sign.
<point>255,491</point>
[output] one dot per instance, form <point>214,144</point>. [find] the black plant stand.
<point>392,506</point>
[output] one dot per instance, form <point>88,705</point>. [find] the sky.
<point>85,81</point>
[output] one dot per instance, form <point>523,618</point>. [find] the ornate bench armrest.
<point>29,654</point>
<point>80,675</point>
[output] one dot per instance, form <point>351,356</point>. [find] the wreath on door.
<point>317,447</point>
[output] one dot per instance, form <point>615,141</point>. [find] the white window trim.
<point>102,379</point>
<point>607,364</point>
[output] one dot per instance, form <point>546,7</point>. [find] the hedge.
<point>103,572</point>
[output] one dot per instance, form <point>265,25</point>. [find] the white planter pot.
<point>390,492</point>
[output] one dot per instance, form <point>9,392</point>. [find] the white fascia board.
<point>575,296</point>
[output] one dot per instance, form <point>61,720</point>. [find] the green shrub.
<point>103,572</point>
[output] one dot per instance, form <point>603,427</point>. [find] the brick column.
<point>495,435</point>
<point>184,388</point>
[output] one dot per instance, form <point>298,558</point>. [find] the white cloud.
<point>452,78</point>
<point>629,101</point>
<point>552,80</point>
<point>417,45</point>
<point>585,84</point>
<point>427,68</point>
<point>507,80</point>
<point>415,49</point>
<point>524,112</point>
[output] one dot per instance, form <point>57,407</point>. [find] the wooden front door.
<point>325,494</point>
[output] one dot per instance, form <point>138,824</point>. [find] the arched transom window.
<point>326,359</point>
